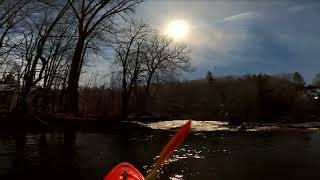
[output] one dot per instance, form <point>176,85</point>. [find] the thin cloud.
<point>254,36</point>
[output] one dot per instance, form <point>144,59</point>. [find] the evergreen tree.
<point>209,77</point>
<point>316,80</point>
<point>297,78</point>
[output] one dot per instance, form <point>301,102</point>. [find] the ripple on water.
<point>7,153</point>
<point>32,151</point>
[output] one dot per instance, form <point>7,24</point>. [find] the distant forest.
<point>252,98</point>
<point>45,45</point>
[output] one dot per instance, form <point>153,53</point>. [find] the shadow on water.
<point>38,154</point>
<point>70,153</point>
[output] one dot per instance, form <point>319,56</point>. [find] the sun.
<point>177,30</point>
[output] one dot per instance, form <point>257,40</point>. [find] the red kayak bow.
<point>125,171</point>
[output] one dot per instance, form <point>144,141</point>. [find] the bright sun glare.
<point>177,29</point>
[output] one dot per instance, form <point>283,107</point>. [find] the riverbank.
<point>116,124</point>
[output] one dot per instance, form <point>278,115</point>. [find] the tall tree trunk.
<point>124,95</point>
<point>21,105</point>
<point>23,98</point>
<point>147,100</point>
<point>124,106</point>
<point>72,95</point>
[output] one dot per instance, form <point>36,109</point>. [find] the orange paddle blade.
<point>168,150</point>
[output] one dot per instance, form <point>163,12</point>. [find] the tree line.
<point>251,97</point>
<point>45,44</point>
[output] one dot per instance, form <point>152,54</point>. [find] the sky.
<point>235,37</point>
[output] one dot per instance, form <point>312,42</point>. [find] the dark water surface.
<point>204,155</point>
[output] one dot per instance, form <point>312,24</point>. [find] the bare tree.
<point>59,54</point>
<point>92,16</point>
<point>162,59</point>
<point>146,58</point>
<point>36,52</point>
<point>127,46</point>
<point>11,14</point>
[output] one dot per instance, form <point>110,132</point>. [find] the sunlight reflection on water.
<point>176,177</point>
<point>223,126</point>
<point>183,153</point>
<point>196,125</point>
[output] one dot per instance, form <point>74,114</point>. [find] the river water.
<point>206,154</point>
